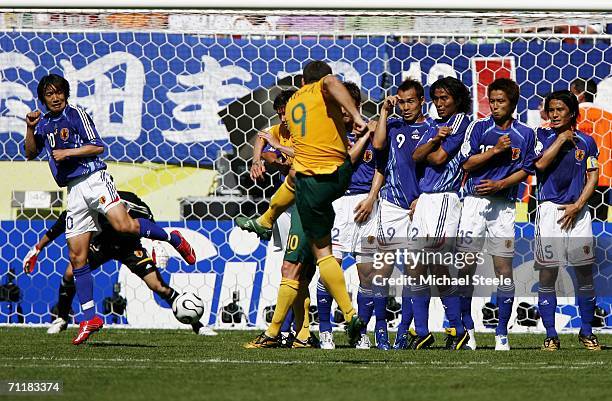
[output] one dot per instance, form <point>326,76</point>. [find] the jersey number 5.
<point>298,116</point>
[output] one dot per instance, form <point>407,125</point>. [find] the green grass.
<point>178,365</point>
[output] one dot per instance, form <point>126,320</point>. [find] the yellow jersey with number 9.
<point>317,131</point>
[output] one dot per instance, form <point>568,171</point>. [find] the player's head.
<point>355,93</point>
<point>562,108</point>
<point>410,99</point>
<point>584,89</point>
<point>503,96</point>
<point>450,96</point>
<point>53,91</point>
<point>315,70</point>
<point>280,101</point>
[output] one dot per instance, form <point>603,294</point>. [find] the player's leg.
<point>547,305</point>
<point>505,300</point>
<point>66,293</point>
<point>380,291</point>
<point>585,297</point>
<point>301,310</point>
<point>365,301</point>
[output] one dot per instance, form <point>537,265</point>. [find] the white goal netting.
<point>179,96</point>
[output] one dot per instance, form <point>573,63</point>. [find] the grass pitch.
<point>178,365</point>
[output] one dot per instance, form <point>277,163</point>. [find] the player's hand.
<point>567,136</point>
<point>257,170</point>
<point>363,210</point>
<point>568,219</point>
<point>443,132</point>
<point>29,262</point>
<point>32,118</point>
<point>159,255</point>
<point>503,144</point>
<point>489,187</point>
<point>272,141</point>
<point>61,154</point>
<point>412,208</point>
<point>389,104</point>
<point>360,128</point>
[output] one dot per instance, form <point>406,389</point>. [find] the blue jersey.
<point>73,128</point>
<point>447,176</point>
<point>481,136</point>
<point>565,178</point>
<point>402,174</point>
<point>363,169</point>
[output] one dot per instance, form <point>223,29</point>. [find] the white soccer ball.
<point>188,308</point>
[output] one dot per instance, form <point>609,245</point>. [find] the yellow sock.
<point>301,311</point>
<point>333,279</point>
<point>282,199</point>
<point>287,292</point>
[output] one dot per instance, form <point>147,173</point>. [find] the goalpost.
<point>178,96</point>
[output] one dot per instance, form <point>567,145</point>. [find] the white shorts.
<point>435,222</point>
<point>487,218</point>
<point>280,231</point>
<point>393,225</point>
<point>88,196</point>
<point>349,236</point>
<point>555,247</point>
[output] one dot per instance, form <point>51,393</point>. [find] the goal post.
<point>178,96</point>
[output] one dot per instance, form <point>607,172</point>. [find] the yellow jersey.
<point>317,131</point>
<point>283,136</point>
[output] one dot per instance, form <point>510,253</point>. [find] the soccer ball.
<point>188,308</point>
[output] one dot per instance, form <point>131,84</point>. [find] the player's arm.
<point>29,262</point>
<point>333,89</point>
<point>32,148</point>
<point>364,208</point>
<point>379,141</point>
<point>480,160</point>
<point>92,144</point>
<point>257,166</point>
<point>490,187</point>
<point>552,151</point>
<point>276,163</point>
<point>275,143</point>
<point>83,151</point>
<point>431,151</point>
<point>356,151</point>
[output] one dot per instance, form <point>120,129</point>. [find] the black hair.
<point>458,91</point>
<point>353,90</point>
<point>315,70</point>
<point>412,84</point>
<point>54,80</point>
<point>509,87</point>
<point>569,99</point>
<point>282,98</point>
<point>587,87</point>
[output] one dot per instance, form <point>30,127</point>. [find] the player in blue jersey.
<point>567,174</point>
<point>398,137</point>
<point>72,143</point>
<point>499,153</point>
<point>354,229</point>
<point>436,217</point>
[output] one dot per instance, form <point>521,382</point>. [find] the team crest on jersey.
<point>367,156</point>
<point>579,155</point>
<point>508,243</point>
<point>64,134</point>
<point>516,153</point>
<point>102,200</point>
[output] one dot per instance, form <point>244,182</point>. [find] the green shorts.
<point>314,195</point>
<point>298,248</point>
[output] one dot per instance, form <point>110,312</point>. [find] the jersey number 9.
<point>299,117</point>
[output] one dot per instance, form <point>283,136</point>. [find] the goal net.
<point>179,97</point>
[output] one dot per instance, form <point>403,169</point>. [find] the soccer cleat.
<point>353,330</point>
<point>551,344</point>
<point>252,226</point>
<point>382,340</point>
<point>454,341</point>
<point>590,342</point>
<point>312,342</point>
<point>327,340</point>
<point>471,344</point>
<point>364,342</point>
<point>206,331</point>
<point>86,329</point>
<point>286,340</point>
<point>422,342</point>
<point>405,340</point>
<point>58,325</point>
<point>185,249</point>
<point>501,343</point>
<point>263,341</point>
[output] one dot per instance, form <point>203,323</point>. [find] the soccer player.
<point>323,171</point>
<point>436,217</point>
<point>106,245</point>
<point>73,145</point>
<point>567,173</point>
<point>499,154</point>
<point>399,137</point>
<point>354,229</point>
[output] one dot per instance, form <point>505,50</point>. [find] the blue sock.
<point>420,307</point>
<point>505,300</point>
<point>547,305</point>
<point>380,307</point>
<point>365,306</point>
<point>84,289</point>
<point>466,306</point>
<point>586,306</point>
<point>407,313</point>
<point>286,327</point>
<point>452,306</point>
<point>150,230</point>
<point>324,304</point>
